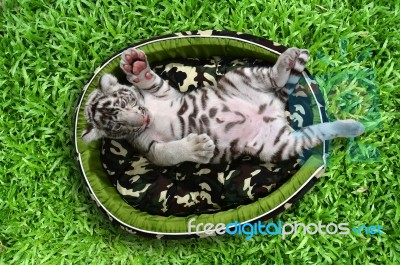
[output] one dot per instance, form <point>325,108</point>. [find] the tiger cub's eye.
<point>122,104</point>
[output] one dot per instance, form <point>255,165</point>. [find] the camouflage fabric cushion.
<point>191,188</point>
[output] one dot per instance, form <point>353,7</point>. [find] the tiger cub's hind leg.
<point>289,64</point>
<point>286,144</point>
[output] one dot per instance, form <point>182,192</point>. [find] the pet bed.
<point>159,201</point>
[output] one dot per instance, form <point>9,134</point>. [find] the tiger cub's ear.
<point>91,134</point>
<point>107,81</point>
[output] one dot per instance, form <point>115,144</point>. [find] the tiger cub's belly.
<point>243,123</point>
<point>232,123</point>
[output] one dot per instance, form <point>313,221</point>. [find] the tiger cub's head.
<point>114,111</point>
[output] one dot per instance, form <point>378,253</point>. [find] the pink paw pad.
<point>131,57</point>
<point>138,67</point>
<point>135,65</point>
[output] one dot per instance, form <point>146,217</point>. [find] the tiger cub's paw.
<point>301,60</point>
<point>295,58</point>
<point>349,128</point>
<point>200,148</point>
<point>135,65</point>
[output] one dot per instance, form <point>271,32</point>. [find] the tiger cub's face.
<point>115,111</point>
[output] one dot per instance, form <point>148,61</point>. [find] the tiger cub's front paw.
<point>136,67</point>
<point>200,148</point>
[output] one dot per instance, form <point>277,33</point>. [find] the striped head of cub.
<point>115,111</point>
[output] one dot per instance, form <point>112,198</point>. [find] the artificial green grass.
<point>48,51</point>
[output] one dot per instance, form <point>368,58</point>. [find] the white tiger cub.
<point>244,114</point>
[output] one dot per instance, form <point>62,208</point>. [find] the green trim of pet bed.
<point>203,45</point>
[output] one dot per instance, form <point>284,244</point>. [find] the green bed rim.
<point>191,45</point>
